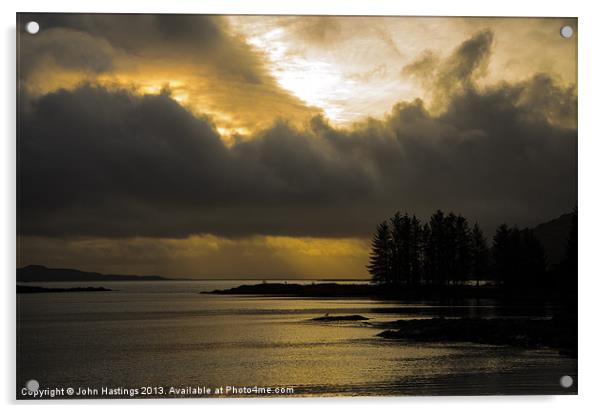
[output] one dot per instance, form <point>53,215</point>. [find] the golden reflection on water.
<point>143,336</point>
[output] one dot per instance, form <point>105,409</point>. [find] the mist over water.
<point>166,334</point>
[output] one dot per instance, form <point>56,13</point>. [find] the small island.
<point>328,318</point>
<point>302,290</point>
<point>30,289</point>
<point>440,294</point>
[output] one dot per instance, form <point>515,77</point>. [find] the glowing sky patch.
<point>356,69</point>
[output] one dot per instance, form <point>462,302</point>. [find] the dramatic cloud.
<point>68,49</point>
<point>356,63</point>
<point>203,39</point>
<point>209,68</point>
<point>96,162</point>
<point>165,144</point>
<point>458,73</point>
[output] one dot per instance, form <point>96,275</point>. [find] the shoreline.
<point>32,289</point>
<point>555,333</point>
<point>389,292</point>
<point>558,332</point>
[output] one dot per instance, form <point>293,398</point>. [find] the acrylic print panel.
<point>281,206</point>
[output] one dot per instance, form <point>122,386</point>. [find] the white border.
<point>590,195</point>
<point>552,8</point>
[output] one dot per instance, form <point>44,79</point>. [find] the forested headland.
<point>449,253</point>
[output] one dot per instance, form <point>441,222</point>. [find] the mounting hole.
<point>32,27</point>
<point>566,381</point>
<point>32,385</point>
<point>566,32</point>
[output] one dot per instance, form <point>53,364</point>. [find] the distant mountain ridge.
<point>553,236</point>
<point>40,273</point>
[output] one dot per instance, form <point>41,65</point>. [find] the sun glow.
<point>317,83</point>
<point>325,88</point>
<point>344,84</point>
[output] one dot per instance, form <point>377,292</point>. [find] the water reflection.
<point>150,334</point>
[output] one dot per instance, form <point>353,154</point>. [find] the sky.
<point>272,146</point>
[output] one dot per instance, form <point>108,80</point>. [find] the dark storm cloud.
<point>95,162</point>
<point>134,32</point>
<point>468,61</point>
<point>69,49</point>
<point>458,72</point>
<point>558,105</point>
<point>91,41</point>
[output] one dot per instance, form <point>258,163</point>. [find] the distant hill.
<point>39,273</point>
<point>553,237</point>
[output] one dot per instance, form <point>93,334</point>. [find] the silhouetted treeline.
<point>565,275</point>
<point>448,250</point>
<point>518,257</point>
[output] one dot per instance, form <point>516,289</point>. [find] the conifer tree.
<point>462,256</point>
<point>533,261</point>
<point>479,253</point>
<point>435,249</point>
<point>400,248</point>
<point>501,253</point>
<point>416,251</point>
<point>380,257</point>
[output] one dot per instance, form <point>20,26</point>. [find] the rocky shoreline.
<point>553,333</point>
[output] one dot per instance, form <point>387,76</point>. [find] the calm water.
<point>166,334</point>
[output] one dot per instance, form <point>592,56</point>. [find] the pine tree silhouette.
<point>480,255</point>
<point>398,254</point>
<point>380,266</point>
<point>435,249</point>
<point>462,256</point>
<point>501,254</point>
<point>447,251</point>
<point>416,251</point>
<point>518,257</point>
